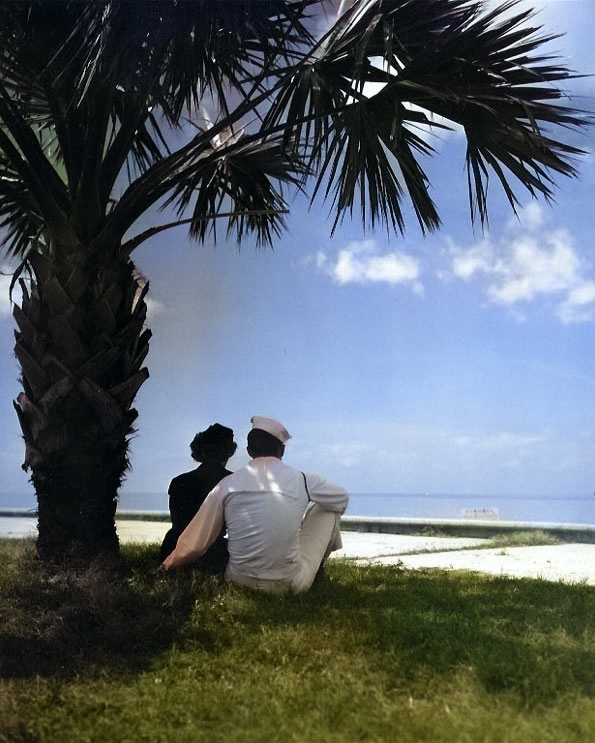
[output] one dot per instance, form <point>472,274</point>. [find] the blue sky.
<point>461,362</point>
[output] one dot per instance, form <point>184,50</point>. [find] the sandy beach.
<point>568,562</point>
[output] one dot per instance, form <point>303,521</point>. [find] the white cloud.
<point>579,303</point>
<point>362,263</point>
<point>349,453</point>
<point>530,216</point>
<point>477,259</point>
<point>530,261</point>
<point>502,441</point>
<point>545,266</point>
<point>154,307</point>
<point>5,306</point>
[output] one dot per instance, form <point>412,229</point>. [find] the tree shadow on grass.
<point>60,622</point>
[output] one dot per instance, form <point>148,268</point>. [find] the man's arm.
<point>201,532</point>
<point>330,497</point>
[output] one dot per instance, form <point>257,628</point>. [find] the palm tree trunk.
<point>81,343</point>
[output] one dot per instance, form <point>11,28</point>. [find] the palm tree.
<point>212,108</point>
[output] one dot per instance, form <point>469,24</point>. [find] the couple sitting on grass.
<point>267,526</point>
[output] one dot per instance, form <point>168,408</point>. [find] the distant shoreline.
<point>469,527</point>
<point>570,509</point>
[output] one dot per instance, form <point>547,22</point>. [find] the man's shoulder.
<point>255,469</point>
<point>274,464</point>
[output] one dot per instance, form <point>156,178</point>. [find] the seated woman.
<point>211,448</point>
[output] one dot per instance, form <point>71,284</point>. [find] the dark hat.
<point>216,435</point>
<point>214,443</point>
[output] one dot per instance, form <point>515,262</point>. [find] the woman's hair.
<point>214,444</point>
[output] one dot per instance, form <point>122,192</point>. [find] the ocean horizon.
<point>571,509</point>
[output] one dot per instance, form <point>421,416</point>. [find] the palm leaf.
<point>457,64</point>
<point>239,179</point>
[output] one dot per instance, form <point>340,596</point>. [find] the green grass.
<point>525,538</point>
<point>371,654</point>
<point>522,538</point>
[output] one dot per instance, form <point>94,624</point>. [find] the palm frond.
<point>91,95</point>
<point>177,51</point>
<point>19,223</point>
<point>376,164</point>
<point>449,59</point>
<point>243,180</point>
<point>483,76</point>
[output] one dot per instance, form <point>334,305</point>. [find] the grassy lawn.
<point>370,654</point>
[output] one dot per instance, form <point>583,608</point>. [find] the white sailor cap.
<point>270,425</point>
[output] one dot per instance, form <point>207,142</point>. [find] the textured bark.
<point>81,344</point>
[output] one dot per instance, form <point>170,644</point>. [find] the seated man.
<point>281,524</point>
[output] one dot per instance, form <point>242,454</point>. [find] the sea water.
<point>578,509</point>
<point>571,509</point>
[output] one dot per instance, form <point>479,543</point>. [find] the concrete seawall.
<point>578,533</point>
